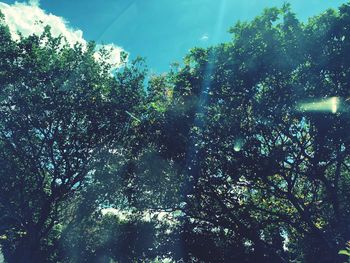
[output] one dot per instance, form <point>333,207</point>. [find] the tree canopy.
<point>239,154</point>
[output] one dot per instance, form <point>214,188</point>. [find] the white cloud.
<point>114,53</point>
<point>29,18</point>
<point>204,37</point>
<point>34,2</point>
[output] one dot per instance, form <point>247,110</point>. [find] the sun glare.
<point>324,105</point>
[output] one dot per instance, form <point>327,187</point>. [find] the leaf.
<point>344,252</point>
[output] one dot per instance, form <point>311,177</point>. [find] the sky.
<point>162,31</point>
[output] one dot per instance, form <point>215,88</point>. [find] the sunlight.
<point>238,145</point>
<point>196,146</point>
<point>334,103</point>
<point>326,105</point>
<point>206,85</point>
<point>219,24</point>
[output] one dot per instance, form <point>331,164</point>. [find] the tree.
<point>230,156</point>
<point>60,110</point>
<point>256,170</point>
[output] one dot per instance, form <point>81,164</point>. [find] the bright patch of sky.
<point>29,18</point>
<point>164,30</point>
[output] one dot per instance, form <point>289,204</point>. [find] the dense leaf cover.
<point>214,161</point>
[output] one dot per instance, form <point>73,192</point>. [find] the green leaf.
<point>344,252</point>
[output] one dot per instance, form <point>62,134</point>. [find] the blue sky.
<point>164,30</point>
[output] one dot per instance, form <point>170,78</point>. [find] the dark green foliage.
<point>59,111</point>
<point>214,161</point>
<point>254,167</point>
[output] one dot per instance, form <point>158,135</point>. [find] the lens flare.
<point>334,103</point>
<point>325,105</point>
<point>238,144</point>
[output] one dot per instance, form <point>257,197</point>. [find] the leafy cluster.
<point>211,162</point>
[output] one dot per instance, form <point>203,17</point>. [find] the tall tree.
<point>60,109</point>
<point>258,170</point>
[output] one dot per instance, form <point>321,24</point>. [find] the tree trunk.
<point>27,250</point>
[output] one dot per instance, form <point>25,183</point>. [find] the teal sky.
<point>164,30</point>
